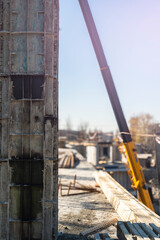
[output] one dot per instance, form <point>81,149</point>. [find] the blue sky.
<point>130,34</point>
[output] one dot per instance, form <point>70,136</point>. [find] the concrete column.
<point>29,36</point>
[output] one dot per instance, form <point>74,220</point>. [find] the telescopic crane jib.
<point>134,169</point>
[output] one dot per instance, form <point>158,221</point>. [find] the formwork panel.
<point>37,147</point>
<point>27,172</point>
<point>48,139</point>
<point>28,20</point>
<point>49,17</point>
<point>19,54</point>
<point>4,35</point>
<point>4,15</point>
<point>19,15</point>
<point>3,221</point>
<point>36,207</point>
<point>19,231</point>
<point>0,99</point>
<point>16,121</point>
<point>36,13</point>
<point>26,203</point>
<point>0,139</point>
<point>36,230</point>
<point>48,223</point>
<point>4,53</point>
<point>15,230</point>
<point>4,116</point>
<point>19,172</point>
<point>4,139</point>
<point>33,146</point>
<point>37,173</point>
<point>51,37</point>
<point>51,92</point>
<point>49,95</point>
<point>26,147</point>
<point>55,141</point>
<point>25,231</point>
<point>15,146</point>
<point>26,117</point>
<point>5,97</point>
<point>15,203</point>
<point>35,54</point>
<point>3,181</point>
<point>49,55</point>
<point>20,122</point>
<point>37,117</point>
<point>48,171</point>
<point>55,97</point>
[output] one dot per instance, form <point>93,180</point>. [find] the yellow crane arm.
<point>135,171</point>
<point>136,174</point>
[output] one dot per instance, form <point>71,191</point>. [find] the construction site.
<point>53,184</point>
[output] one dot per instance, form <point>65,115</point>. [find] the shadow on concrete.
<point>73,237</point>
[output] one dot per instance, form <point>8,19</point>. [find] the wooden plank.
<point>130,227</point>
<point>61,162</point>
<point>98,227</point>
<point>65,165</point>
<point>72,160</point>
<point>140,231</point>
<point>122,232</point>
<point>126,205</point>
<point>149,231</point>
<point>97,236</point>
<point>155,229</point>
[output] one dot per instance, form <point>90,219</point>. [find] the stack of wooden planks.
<point>137,231</point>
<point>125,231</point>
<point>68,157</point>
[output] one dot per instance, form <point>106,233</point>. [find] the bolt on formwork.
<point>29,36</point>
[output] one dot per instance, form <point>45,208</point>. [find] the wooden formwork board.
<point>126,205</point>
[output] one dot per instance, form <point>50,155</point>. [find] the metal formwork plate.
<point>27,45</point>
<point>26,203</point>
<point>36,147</point>
<point>19,54</point>
<point>35,54</point>
<point>36,15</point>
<point>36,230</point>
<point>37,117</point>
<point>3,221</point>
<point>3,181</point>
<point>16,119</point>
<point>18,231</point>
<point>19,15</point>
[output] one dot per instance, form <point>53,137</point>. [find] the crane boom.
<point>134,168</point>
